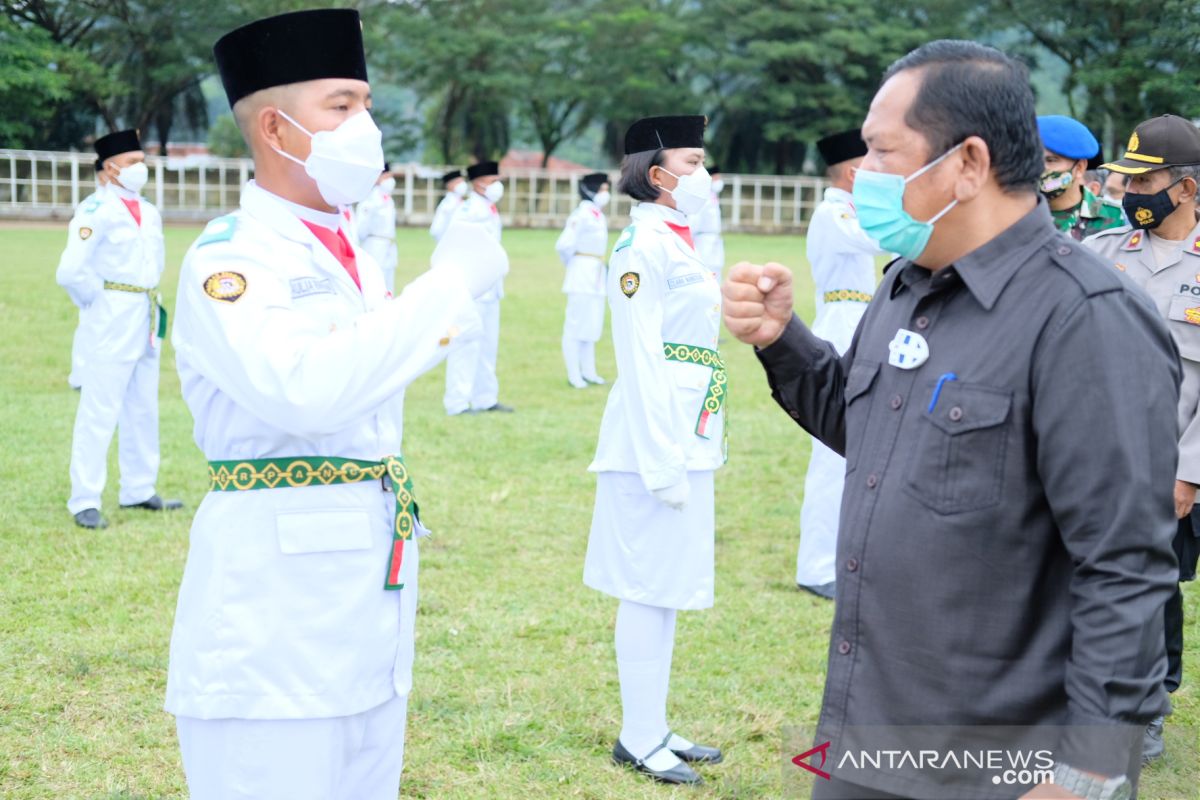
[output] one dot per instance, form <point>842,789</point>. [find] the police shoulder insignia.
<point>624,240</point>
<point>1195,247</point>
<point>1134,242</point>
<point>220,229</point>
<point>630,283</point>
<point>85,233</point>
<point>225,286</point>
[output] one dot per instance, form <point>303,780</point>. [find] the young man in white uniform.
<point>582,246</point>
<point>375,220</point>
<point>111,268</point>
<point>291,656</point>
<point>456,187</point>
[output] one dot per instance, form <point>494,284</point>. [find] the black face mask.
<point>1147,211</point>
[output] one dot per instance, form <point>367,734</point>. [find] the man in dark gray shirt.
<point>1007,414</point>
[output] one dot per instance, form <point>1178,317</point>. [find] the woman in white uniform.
<point>581,246</point>
<point>661,439</point>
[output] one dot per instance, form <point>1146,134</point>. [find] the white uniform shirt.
<point>444,213</point>
<point>582,246</point>
<point>375,223</point>
<point>105,243</point>
<point>659,291</point>
<point>282,612</point>
<point>479,210</point>
<point>706,231</point>
<point>842,258</point>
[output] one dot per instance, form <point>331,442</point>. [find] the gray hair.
<point>1185,171</point>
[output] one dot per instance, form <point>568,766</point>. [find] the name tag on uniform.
<point>685,280</point>
<point>303,287</point>
<point>907,350</point>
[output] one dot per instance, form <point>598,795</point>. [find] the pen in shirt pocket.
<point>937,390</point>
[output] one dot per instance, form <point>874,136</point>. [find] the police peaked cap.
<point>482,170</point>
<point>843,146</point>
<point>114,144</point>
<point>291,48</point>
<point>1067,137</point>
<point>665,133</point>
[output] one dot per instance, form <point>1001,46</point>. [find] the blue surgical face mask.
<point>879,201</point>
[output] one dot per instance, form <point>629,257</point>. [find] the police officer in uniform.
<point>581,247</point>
<point>661,438</point>
<point>456,188</point>
<point>471,383</point>
<point>375,223</point>
<point>291,655</point>
<point>1076,209</point>
<point>111,268</point>
<point>706,226</point>
<point>1160,251</point>
<point>842,259</point>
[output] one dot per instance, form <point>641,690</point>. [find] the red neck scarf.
<point>339,245</point>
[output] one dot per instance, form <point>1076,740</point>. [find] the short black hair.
<point>969,89</point>
<point>635,178</point>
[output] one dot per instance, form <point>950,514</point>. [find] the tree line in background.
<point>463,80</point>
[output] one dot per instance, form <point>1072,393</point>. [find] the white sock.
<point>570,350</point>
<point>666,651</point>
<point>639,637</point>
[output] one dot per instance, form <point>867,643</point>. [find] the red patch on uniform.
<point>1134,242</point>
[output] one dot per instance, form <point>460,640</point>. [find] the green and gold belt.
<point>846,296</point>
<point>714,398</point>
<point>289,472</point>
<point>156,306</point>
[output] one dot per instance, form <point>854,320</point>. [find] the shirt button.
<point>852,565</point>
<point>844,647</point>
<point>922,323</point>
<point>794,414</point>
<point>1064,250</point>
<point>872,481</point>
<point>897,401</point>
<point>956,414</point>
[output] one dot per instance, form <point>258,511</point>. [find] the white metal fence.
<point>37,184</point>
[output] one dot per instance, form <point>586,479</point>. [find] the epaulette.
<point>624,240</point>
<point>220,229</point>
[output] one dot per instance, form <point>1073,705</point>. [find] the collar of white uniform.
<point>838,195</point>
<point>650,212</point>
<point>326,219</point>
<point>124,193</point>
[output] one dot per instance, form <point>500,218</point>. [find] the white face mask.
<point>134,176</point>
<point>346,161</point>
<point>494,192</point>
<point>717,185</point>
<point>692,192</point>
<point>601,199</point>
<point>388,185</point>
<point>460,189</point>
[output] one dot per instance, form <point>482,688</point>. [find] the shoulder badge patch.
<point>1195,247</point>
<point>85,233</point>
<point>91,207</point>
<point>1134,242</point>
<point>220,229</point>
<point>624,240</point>
<point>630,283</point>
<point>225,286</point>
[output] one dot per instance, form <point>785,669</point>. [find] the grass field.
<point>515,691</point>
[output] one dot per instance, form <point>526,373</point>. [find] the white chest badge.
<point>907,350</point>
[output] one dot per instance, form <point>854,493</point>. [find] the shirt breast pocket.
<point>957,464</point>
<point>1184,314</point>
<point>858,382</point>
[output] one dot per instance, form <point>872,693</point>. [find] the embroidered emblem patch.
<point>630,283</point>
<point>1134,242</point>
<point>624,240</point>
<point>85,233</point>
<point>225,286</point>
<point>1192,315</point>
<point>303,287</point>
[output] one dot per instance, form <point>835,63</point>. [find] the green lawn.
<point>515,691</point>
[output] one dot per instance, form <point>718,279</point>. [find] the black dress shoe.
<point>824,591</point>
<point>680,773</point>
<point>90,518</point>
<point>156,503</point>
<point>697,753</point>
<point>501,407</point>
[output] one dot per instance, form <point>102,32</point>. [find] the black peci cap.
<point>1166,141</point>
<point>590,184</point>
<point>664,133</point>
<point>291,48</point>
<point>114,144</point>
<point>482,170</point>
<point>451,175</point>
<point>844,146</point>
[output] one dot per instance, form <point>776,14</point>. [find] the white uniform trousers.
<point>333,758</point>
<point>819,516</point>
<point>116,395</point>
<point>471,368</point>
<point>584,320</point>
<point>75,378</point>
<point>384,252</point>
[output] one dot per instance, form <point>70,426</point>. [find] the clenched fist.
<point>758,302</point>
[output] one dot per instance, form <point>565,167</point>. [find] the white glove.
<point>674,496</point>
<point>471,250</point>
